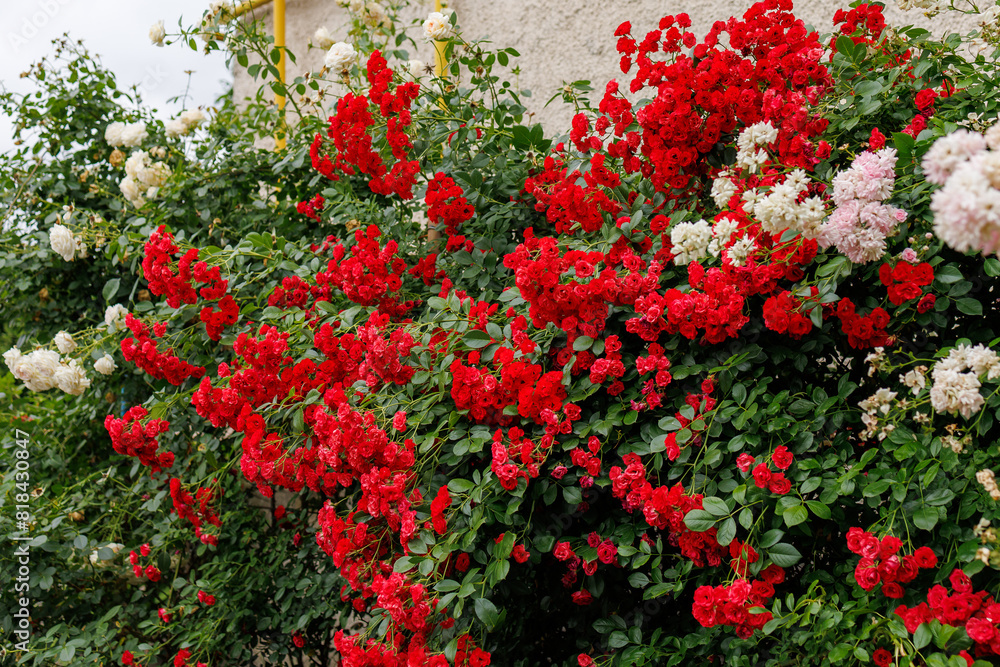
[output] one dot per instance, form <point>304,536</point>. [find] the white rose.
<point>374,15</point>
<point>134,134</point>
<point>41,369</point>
<point>322,38</point>
<point>192,118</point>
<point>114,317</point>
<point>113,134</point>
<point>130,189</point>
<point>16,362</point>
<point>340,56</point>
<point>105,365</point>
<point>71,378</point>
<point>157,33</point>
<point>416,68</point>
<point>438,27</point>
<point>175,128</point>
<point>62,242</point>
<point>64,342</point>
<point>136,163</point>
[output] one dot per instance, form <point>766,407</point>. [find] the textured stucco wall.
<point>560,40</point>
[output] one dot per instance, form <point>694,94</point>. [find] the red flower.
<point>127,658</point>
<point>152,573</point>
<point>298,639</point>
<point>164,616</point>
<point>881,657</point>
<point>584,660</point>
<point>205,598</point>
<point>877,141</point>
<point>779,484</point>
<point>926,303</point>
<point>761,475</point>
<point>144,550</point>
<point>744,461</point>
<point>782,458</point>
<point>980,630</point>
<point>866,574</point>
<point>892,590</point>
<point>582,598</point>
<point>925,558</point>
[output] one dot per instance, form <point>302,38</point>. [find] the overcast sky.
<point>118,32</point>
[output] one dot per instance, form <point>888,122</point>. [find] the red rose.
<point>607,553</point>
<point>926,303</point>
<point>925,558</point>
<point>761,476</point>
<point>582,598</point>
<point>866,575</point>
<point>877,140</point>
<point>960,581</point>
<point>563,551</point>
<point>744,461</point>
<point>152,573</point>
<point>881,657</point>
<point>127,658</point>
<point>773,574</point>
<point>980,630</point>
<point>892,590</point>
<point>890,545</point>
<point>584,660</point>
<point>782,458</point>
<point>779,484</point>
<point>144,550</point>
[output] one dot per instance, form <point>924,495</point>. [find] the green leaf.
<point>726,532</point>
<point>699,520</point>
<point>922,637</point>
<point>477,339</point>
<point>992,267</point>
<point>110,289</point>
<point>839,652</point>
<point>784,555</point>
<point>487,612</point>
<point>795,515</point>
<point>819,509</point>
<point>715,506</point>
<point>925,518</point>
<point>770,538</point>
<point>969,306</point>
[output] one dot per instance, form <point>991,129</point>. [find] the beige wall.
<point>559,40</point>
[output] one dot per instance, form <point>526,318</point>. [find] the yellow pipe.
<point>439,61</point>
<point>279,43</point>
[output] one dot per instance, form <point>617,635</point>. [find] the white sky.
<point>118,32</point>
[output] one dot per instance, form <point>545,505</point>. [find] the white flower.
<point>690,241</point>
<point>723,189</point>
<point>157,33</point>
<point>175,128</point>
<point>37,370</point>
<point>63,242</point>
<point>105,365</point>
<point>340,56</point>
<point>737,254</point>
<point>416,68</point>
<point>114,317</point>
<point>437,27</point>
<point>64,342</point>
<point>71,378</point>
<point>134,134</point>
<point>113,133</point>
<point>130,190</point>
<point>192,118</point>
<point>374,16</point>
<point>322,38</point>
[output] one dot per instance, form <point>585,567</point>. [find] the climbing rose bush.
<point>711,378</point>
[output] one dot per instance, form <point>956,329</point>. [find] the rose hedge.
<point>710,379</point>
